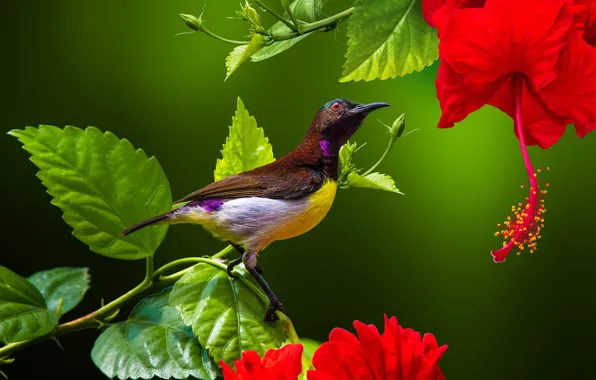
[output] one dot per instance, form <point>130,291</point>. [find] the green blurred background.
<point>423,257</point>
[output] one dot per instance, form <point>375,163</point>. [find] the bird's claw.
<point>270,316</point>
<point>229,269</point>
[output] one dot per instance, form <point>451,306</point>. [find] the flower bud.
<point>398,126</point>
<point>192,22</point>
<point>250,14</point>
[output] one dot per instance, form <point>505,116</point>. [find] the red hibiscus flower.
<point>429,7</point>
<point>282,364</point>
<point>397,354</point>
<point>527,58</point>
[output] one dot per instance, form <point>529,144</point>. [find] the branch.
<point>326,24</point>
<point>96,319</point>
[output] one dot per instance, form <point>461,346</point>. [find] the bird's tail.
<point>145,223</point>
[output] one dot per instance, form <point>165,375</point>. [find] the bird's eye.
<point>335,106</point>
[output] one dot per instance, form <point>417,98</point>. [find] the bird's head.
<point>339,119</point>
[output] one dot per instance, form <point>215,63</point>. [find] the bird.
<point>277,201</point>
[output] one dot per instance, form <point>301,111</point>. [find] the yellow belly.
<point>319,204</point>
<point>254,223</point>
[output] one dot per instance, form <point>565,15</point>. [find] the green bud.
<point>398,126</point>
<point>192,22</point>
<point>285,4</point>
<point>250,14</point>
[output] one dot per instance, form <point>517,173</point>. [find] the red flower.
<point>429,7</point>
<point>397,354</point>
<point>282,364</point>
<point>527,58</point>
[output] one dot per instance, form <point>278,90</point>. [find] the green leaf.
<point>23,311</point>
<point>243,52</point>
<point>346,152</point>
<point>226,315</point>
<point>373,181</point>
<point>310,346</point>
<point>304,10</point>
<point>68,284</point>
<point>103,185</point>
<point>388,38</point>
<point>246,147</point>
<point>153,341</point>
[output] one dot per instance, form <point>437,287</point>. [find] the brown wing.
<point>281,183</point>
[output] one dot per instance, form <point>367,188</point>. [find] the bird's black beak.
<point>365,109</point>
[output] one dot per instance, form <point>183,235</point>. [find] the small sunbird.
<point>278,201</point>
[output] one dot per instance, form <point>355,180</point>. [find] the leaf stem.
<point>291,15</point>
<point>149,267</point>
<point>224,252</point>
<point>389,146</point>
<point>276,15</point>
<point>288,327</point>
<point>158,273</point>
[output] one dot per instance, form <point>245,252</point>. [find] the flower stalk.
<point>524,229</point>
<point>288,23</point>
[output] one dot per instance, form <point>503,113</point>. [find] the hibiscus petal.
<point>285,362</point>
<point>417,351</point>
<point>344,337</point>
<point>318,375</point>
<point>228,372</point>
<point>486,43</point>
<point>429,365</point>
<point>458,99</point>
<point>541,126</point>
<point>573,94</point>
<point>372,348</point>
<point>391,343</point>
<point>589,21</point>
<point>251,361</point>
<point>328,359</point>
<point>429,7</point>
<point>583,129</point>
<point>430,343</point>
<point>351,352</point>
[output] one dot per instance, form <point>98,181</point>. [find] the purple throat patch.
<point>210,204</point>
<point>325,147</point>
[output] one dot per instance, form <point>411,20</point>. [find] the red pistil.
<point>524,229</point>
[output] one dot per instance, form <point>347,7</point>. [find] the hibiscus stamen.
<point>523,230</point>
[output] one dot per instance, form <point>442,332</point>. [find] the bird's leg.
<point>249,259</point>
<point>237,261</point>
